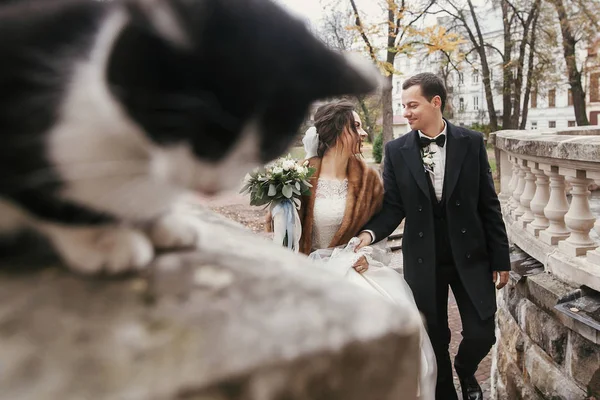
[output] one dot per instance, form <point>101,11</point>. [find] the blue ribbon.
<point>287,207</point>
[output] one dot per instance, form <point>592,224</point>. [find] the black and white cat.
<point>110,110</point>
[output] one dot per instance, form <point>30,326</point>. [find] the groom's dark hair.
<point>431,86</point>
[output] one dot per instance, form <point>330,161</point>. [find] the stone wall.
<point>238,319</point>
<point>543,353</point>
<point>549,314</point>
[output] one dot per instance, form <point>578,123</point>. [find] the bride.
<point>346,193</point>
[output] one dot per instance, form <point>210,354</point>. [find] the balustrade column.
<point>512,185</point>
<point>527,196</point>
<point>556,208</point>
<point>579,218</point>
<point>539,201</point>
<point>593,256</point>
<point>518,210</point>
<point>505,191</point>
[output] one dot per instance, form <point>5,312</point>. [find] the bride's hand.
<point>361,265</point>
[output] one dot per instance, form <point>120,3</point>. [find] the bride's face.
<point>349,142</point>
<point>359,127</point>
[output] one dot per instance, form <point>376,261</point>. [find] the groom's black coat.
<point>476,230</point>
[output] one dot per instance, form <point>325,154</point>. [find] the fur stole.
<point>364,199</point>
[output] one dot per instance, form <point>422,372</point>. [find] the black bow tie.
<point>425,141</point>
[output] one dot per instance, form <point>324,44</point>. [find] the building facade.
<point>550,105</point>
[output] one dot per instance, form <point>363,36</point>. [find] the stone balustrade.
<point>549,210</point>
<point>548,320</point>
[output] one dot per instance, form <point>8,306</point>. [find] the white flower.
<point>288,165</point>
<point>428,160</point>
<point>277,170</point>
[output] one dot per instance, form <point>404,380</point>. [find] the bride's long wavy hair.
<point>332,121</point>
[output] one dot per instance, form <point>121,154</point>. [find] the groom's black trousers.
<point>478,335</point>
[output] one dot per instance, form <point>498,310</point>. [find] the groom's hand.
<point>500,283</point>
<point>365,240</point>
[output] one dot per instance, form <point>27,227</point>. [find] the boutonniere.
<point>427,157</point>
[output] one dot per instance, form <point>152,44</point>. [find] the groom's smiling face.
<point>418,110</point>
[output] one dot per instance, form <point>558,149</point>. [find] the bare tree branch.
<point>361,30</point>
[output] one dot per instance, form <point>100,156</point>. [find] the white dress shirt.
<point>437,177</point>
<point>439,161</point>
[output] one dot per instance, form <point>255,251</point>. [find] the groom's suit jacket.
<point>476,231</point>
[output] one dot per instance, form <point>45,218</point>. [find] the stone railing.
<point>539,172</point>
<point>241,318</point>
<point>548,319</point>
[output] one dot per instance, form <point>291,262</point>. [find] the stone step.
<point>395,244</point>
<point>395,239</point>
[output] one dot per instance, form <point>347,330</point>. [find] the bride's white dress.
<point>330,203</point>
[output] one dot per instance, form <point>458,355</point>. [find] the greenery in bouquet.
<point>283,179</point>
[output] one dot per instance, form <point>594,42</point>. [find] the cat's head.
<point>222,85</point>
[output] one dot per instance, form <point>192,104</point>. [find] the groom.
<point>438,178</point>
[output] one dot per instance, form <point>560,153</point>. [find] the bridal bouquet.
<point>279,186</point>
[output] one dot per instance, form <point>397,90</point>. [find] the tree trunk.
<point>521,65</point>
<point>574,74</point>
<point>507,77</point>
<point>387,111</point>
<point>480,45</point>
<point>529,79</point>
<point>368,123</point>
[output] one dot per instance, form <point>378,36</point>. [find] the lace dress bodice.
<point>330,204</point>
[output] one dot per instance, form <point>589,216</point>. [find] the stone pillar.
<point>579,218</point>
<point>506,179</point>
<point>593,256</point>
<point>527,196</point>
<point>539,202</point>
<point>512,186</point>
<point>556,208</point>
<point>518,210</point>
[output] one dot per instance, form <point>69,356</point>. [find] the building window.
<point>551,124</point>
<point>570,98</point>
<point>475,77</point>
<point>461,78</point>
<point>461,104</point>
<point>533,125</point>
<point>595,87</point>
<point>552,98</point>
<point>534,99</point>
<point>572,124</point>
<point>475,103</point>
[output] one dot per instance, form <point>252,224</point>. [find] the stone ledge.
<point>579,145</point>
<point>241,318</point>
<point>546,292</point>
<point>571,270</point>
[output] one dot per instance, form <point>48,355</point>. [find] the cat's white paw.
<point>173,231</point>
<point>107,249</point>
